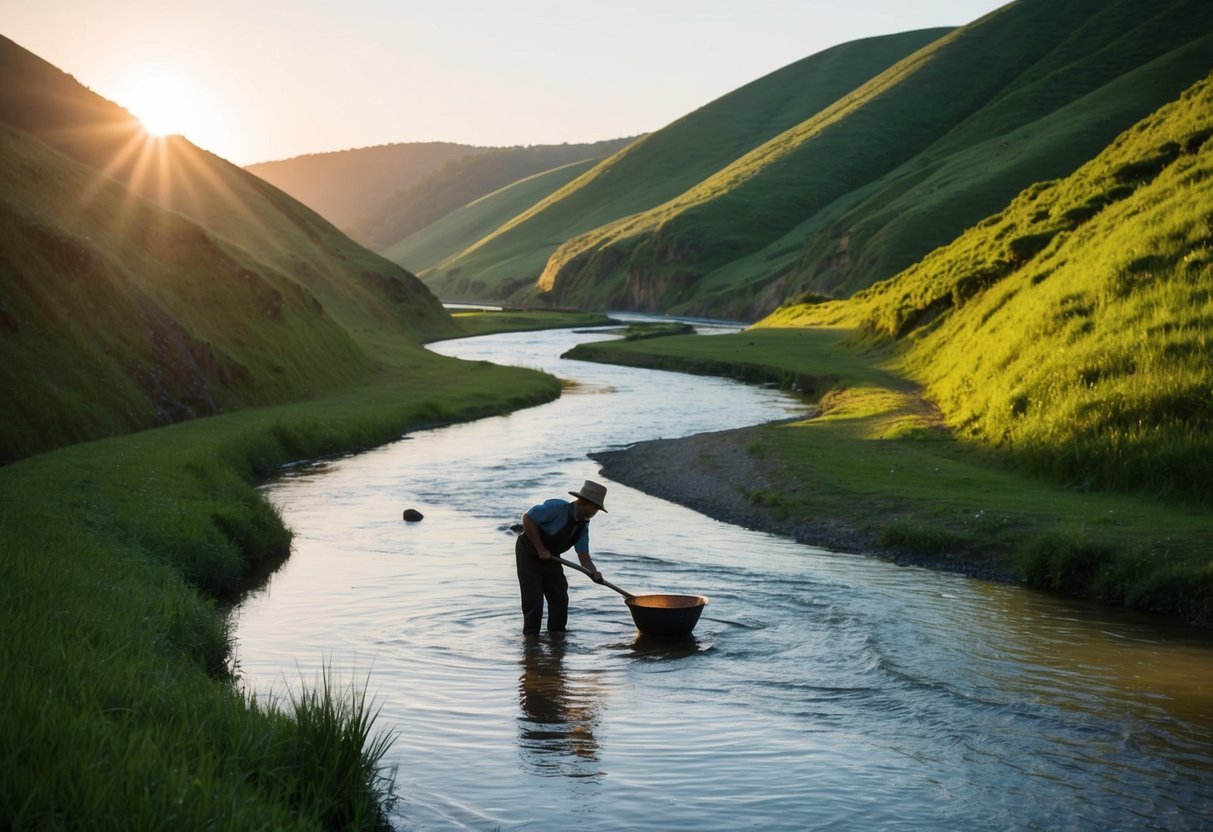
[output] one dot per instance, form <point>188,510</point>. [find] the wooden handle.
<point>581,568</point>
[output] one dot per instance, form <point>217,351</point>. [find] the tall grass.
<point>339,754</point>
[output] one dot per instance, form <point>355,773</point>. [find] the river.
<point>821,690</point>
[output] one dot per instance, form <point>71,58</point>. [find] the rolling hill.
<point>1071,330</point>
<point>870,176</point>
<point>147,281</point>
<point>345,186</point>
<point>662,165</point>
<point>423,248</point>
<point>466,180</point>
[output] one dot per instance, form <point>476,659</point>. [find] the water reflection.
<point>666,649</point>
<point>560,711</point>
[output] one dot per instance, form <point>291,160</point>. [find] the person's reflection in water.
<point>559,712</point>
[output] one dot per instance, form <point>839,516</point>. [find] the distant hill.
<point>422,249</point>
<point>464,180</point>
<point>664,164</point>
<point>147,281</point>
<point>347,186</point>
<point>865,182</point>
<point>1074,328</point>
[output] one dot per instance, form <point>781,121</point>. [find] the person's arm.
<point>532,532</point>
<point>584,557</point>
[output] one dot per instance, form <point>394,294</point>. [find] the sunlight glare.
<point>161,104</point>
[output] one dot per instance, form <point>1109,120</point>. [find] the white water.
<point>822,690</point>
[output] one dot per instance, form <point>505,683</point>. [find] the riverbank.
<point>877,471</point>
<point>714,474</point>
<point>118,559</point>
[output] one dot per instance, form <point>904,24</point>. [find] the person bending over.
<point>549,529</point>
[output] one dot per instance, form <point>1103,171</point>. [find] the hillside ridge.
<point>148,281</point>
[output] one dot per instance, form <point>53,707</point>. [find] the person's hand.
<point>544,554</point>
<point>596,577</point>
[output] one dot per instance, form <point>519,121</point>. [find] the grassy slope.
<point>879,461</point>
<point>359,288</point>
<point>1062,346</point>
<point>148,281</point>
<point>1072,328</point>
<point>666,163</point>
<point>422,249</point>
<point>465,180</point>
<point>947,128</point>
<point>1062,112</point>
<point>346,186</point>
<point>117,313</point>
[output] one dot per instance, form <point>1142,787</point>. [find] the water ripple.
<point>820,690</point>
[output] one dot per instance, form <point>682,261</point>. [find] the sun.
<point>161,103</point>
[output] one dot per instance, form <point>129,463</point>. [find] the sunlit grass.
<point>1086,355</point>
<point>880,460</point>
<point>1065,345</point>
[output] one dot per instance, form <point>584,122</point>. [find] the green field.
<point>474,322</point>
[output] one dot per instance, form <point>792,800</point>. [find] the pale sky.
<point>256,80</point>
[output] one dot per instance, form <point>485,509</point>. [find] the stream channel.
<point>820,690</point>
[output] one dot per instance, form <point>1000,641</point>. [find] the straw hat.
<point>593,492</point>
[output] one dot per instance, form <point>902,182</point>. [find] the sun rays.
<point>167,170</point>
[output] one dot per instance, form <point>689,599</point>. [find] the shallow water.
<point>820,690</point>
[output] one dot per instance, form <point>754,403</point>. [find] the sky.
<point>259,80</point>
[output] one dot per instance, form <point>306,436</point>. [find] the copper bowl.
<point>666,615</point>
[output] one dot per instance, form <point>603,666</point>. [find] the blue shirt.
<point>552,515</point>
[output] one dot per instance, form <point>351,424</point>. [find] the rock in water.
<point>412,515</point>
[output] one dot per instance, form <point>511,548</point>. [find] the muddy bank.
<point>711,472</point>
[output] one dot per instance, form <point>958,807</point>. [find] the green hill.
<point>147,281</point>
<point>882,172</point>
<point>664,164</point>
<point>1071,331</point>
<point>465,180</point>
<point>422,249</point>
<point>346,186</point>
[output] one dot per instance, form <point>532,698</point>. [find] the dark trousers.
<point>538,580</point>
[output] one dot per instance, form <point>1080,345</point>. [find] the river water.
<point>821,690</point>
